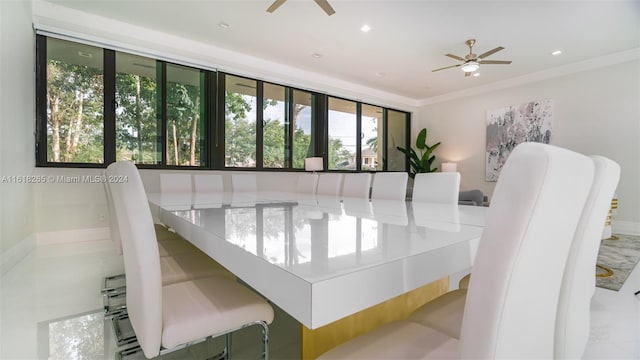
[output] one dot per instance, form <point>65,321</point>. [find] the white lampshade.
<point>313,164</point>
<point>449,167</point>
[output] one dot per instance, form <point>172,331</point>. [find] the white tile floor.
<point>48,301</point>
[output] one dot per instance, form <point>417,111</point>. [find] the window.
<point>185,114</point>
<point>95,106</point>
<point>342,130</point>
<point>397,125</point>
<point>138,125</point>
<point>240,122</point>
<point>303,122</point>
<point>74,103</point>
<point>274,127</point>
<point>371,132</point>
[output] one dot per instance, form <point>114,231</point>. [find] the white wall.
<point>595,112</point>
<point>17,126</point>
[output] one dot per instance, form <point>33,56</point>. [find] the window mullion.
<point>259,124</point>
<point>109,106</point>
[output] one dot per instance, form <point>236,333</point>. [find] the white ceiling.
<point>407,39</point>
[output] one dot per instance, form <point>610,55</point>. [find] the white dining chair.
<point>442,187</point>
<point>114,284</point>
<point>244,183</point>
<point>166,317</point>
<point>307,183</point>
<point>356,185</point>
<point>512,303</point>
<point>329,184</point>
<point>179,261</point>
<point>445,313</point>
<point>208,183</point>
<point>175,183</point>
<point>390,186</point>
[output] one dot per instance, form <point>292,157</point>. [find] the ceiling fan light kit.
<point>471,62</point>
<point>470,66</point>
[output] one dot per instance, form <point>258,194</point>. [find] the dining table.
<point>338,265</point>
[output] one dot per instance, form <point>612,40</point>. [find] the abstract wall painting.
<point>512,125</point>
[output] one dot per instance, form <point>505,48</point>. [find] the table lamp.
<point>313,164</point>
<point>449,167</point>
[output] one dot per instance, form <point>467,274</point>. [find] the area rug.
<point>616,260</point>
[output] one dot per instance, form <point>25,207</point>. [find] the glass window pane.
<point>185,116</point>
<point>275,127</point>
<point>396,136</point>
<point>303,124</point>
<point>138,126</point>
<point>342,126</point>
<point>75,102</point>
<point>371,131</point>
<point>240,122</point>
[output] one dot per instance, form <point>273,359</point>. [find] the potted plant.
<point>421,163</point>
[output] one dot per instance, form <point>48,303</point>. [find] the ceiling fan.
<point>324,4</point>
<point>471,62</point>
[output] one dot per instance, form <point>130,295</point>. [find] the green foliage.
<point>75,113</point>
<point>421,163</point>
<point>137,128</point>
<point>75,126</point>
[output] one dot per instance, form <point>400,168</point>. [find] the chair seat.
<point>189,267</point>
<point>175,247</point>
<point>204,307</point>
<point>397,340</point>
<point>443,313</point>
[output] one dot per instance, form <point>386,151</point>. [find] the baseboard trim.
<point>70,236</point>
<point>17,253</point>
<point>626,227</point>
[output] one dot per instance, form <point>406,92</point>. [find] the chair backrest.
<point>141,257</point>
<point>114,232</point>
<point>329,184</point>
<point>307,183</point>
<point>208,183</point>
<point>356,185</point>
<point>578,284</point>
<point>175,183</point>
<point>512,300</point>
<point>390,186</point>
<point>244,183</point>
<point>442,187</point>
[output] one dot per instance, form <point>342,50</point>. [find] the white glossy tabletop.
<point>322,258</point>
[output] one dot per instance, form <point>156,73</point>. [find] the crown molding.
<point>595,63</point>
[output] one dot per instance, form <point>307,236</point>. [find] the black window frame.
<point>213,157</point>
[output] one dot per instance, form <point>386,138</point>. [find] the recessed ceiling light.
<point>316,55</point>
<point>223,25</point>
<point>556,52</point>
<point>380,74</point>
<point>476,74</point>
<point>365,28</point>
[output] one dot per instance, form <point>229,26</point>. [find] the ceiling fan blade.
<point>324,4</point>
<point>455,57</point>
<point>490,52</point>
<point>446,67</point>
<point>276,4</point>
<point>496,62</point>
